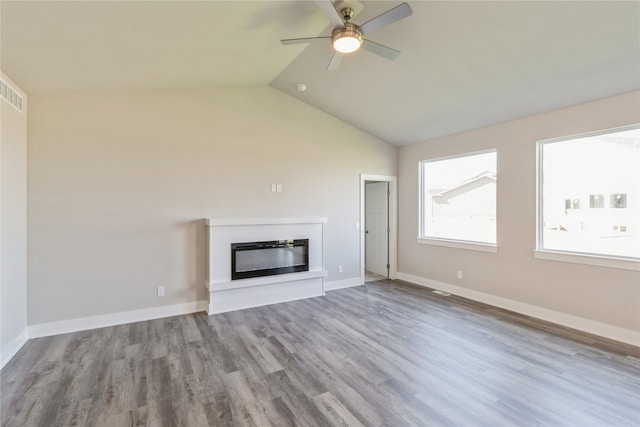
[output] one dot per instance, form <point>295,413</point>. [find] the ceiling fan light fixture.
<point>347,39</point>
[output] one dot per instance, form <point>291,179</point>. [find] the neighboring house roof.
<point>486,175</point>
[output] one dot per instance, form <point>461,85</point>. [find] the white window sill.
<point>459,244</point>
<point>600,261</point>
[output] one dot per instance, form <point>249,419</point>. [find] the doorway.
<point>376,230</point>
<point>378,205</point>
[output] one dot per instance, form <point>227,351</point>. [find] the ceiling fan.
<point>348,37</point>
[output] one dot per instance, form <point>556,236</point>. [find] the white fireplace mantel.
<point>212,222</point>
<point>228,295</point>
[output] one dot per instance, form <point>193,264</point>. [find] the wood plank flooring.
<point>383,354</point>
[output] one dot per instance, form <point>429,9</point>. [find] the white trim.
<point>592,133</point>
<point>459,244</point>
<point>264,221</point>
<point>14,346</point>
<point>113,319</point>
<point>616,333</point>
<point>341,284</point>
<point>460,155</point>
<point>539,213</point>
<point>393,221</point>
<point>599,261</point>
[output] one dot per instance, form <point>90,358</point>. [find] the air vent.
<point>10,95</point>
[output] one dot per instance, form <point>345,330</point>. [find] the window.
<point>603,168</point>
<point>618,201</point>
<point>458,200</point>
<point>596,201</point>
<point>575,204</point>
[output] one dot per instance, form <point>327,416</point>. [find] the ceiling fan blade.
<point>381,50</point>
<point>332,14</point>
<point>304,40</point>
<point>389,17</point>
<point>335,62</point>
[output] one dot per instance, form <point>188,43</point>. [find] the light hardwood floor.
<point>386,353</point>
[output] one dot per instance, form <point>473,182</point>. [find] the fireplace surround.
<point>291,281</point>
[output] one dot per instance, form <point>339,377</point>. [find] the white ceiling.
<point>463,65</point>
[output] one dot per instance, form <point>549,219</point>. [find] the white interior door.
<point>376,228</point>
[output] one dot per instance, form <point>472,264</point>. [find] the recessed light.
<point>301,87</point>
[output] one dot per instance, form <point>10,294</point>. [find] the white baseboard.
<point>340,284</point>
<point>615,333</point>
<point>113,319</point>
<point>10,350</point>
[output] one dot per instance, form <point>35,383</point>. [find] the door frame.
<point>393,223</point>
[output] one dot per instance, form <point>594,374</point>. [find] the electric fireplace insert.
<point>257,259</point>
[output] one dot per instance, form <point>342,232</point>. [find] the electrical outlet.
<point>274,188</point>
<point>460,274</point>
<point>160,291</point>
<point>340,269</point>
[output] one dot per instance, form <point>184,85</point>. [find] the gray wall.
<point>119,183</point>
<point>13,227</point>
<point>605,295</point>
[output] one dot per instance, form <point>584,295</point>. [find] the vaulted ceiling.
<point>463,65</point>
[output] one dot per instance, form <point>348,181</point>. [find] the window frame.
<point>452,243</point>
<point>603,260</point>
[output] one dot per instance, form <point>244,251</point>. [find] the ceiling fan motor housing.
<point>349,31</point>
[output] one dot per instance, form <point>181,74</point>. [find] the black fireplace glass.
<point>257,259</point>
